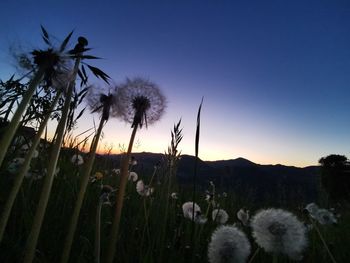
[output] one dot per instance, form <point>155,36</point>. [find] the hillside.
<point>241,176</point>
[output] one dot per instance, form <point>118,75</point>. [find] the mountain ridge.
<point>278,183</point>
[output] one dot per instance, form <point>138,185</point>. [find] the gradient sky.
<point>275,75</point>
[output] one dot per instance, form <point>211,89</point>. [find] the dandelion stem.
<point>120,199</point>
<point>323,241</point>
<point>254,255</point>
<point>44,197</point>
<point>24,169</point>
<point>15,121</point>
<point>80,199</point>
<point>97,248</point>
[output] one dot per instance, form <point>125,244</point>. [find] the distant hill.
<point>276,182</point>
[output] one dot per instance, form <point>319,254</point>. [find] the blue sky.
<point>274,74</point>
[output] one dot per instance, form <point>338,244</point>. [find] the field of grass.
<point>153,228</point>
<point>58,207</point>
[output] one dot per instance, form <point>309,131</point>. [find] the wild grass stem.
<point>16,119</point>
<point>195,178</point>
<point>24,169</point>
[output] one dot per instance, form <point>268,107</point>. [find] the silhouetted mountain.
<point>284,184</point>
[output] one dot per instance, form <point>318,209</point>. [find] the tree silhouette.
<point>335,176</point>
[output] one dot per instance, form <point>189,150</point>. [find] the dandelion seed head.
<point>100,100</point>
<point>228,244</point>
<point>190,213</point>
<point>279,231</point>
<point>220,216</point>
<point>133,161</point>
<point>77,159</point>
<point>326,217</point>
<point>243,216</point>
<point>174,195</point>
<point>116,171</point>
<point>142,189</point>
<point>139,101</point>
<point>133,176</point>
<point>312,209</point>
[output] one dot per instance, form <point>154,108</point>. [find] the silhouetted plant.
<point>78,54</point>
<point>46,64</point>
<point>98,103</point>
<point>138,102</point>
<point>335,176</point>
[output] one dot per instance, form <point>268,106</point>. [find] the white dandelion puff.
<point>279,231</point>
<point>190,211</point>
<point>174,195</point>
<point>228,244</point>
<point>139,102</point>
<point>326,217</point>
<point>243,216</point>
<point>220,216</point>
<point>133,176</point>
<point>193,212</point>
<point>116,171</point>
<point>133,161</point>
<point>312,209</point>
<point>142,189</point>
<point>77,159</point>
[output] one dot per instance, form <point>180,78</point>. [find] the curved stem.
<point>15,121</point>
<point>120,199</point>
<point>24,169</point>
<point>83,185</point>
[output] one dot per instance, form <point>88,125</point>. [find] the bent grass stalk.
<point>83,185</point>
<point>45,194</point>
<point>120,199</point>
<point>24,169</point>
<point>15,121</point>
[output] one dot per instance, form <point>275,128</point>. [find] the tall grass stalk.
<point>83,185</point>
<point>45,194</point>
<point>24,169</point>
<point>16,119</point>
<point>120,199</point>
<point>195,176</point>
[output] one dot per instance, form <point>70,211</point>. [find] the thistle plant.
<point>102,105</point>
<point>47,63</point>
<point>139,102</point>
